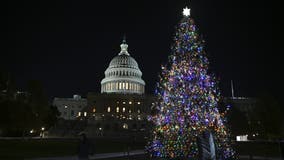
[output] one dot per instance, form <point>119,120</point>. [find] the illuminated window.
<point>108,109</point>
<point>94,109</point>
<point>123,102</point>
<point>123,85</point>
<point>120,85</point>
<point>138,102</point>
<point>126,86</point>
<point>139,117</point>
<point>65,106</point>
<point>130,111</point>
<point>85,114</point>
<point>79,114</point>
<point>123,109</point>
<point>116,86</point>
<point>138,111</point>
<point>125,126</point>
<point>130,102</point>
<point>117,109</point>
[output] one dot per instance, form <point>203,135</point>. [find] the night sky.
<point>68,44</point>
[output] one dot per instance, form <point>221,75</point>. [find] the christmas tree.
<point>187,100</point>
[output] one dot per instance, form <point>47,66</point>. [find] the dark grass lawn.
<point>115,145</point>
<point>138,157</point>
<point>23,149</point>
<point>265,149</point>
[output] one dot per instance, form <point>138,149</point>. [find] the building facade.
<point>70,108</point>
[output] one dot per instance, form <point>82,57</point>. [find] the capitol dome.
<point>123,74</point>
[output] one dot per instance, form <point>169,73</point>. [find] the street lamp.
<point>42,132</point>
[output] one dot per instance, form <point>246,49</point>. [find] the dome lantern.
<point>124,47</point>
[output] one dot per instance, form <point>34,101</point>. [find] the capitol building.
<point>122,106</point>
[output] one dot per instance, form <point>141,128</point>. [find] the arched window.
<point>120,85</point>
<point>117,109</point>
<point>108,109</point>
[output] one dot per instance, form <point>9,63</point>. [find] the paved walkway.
<point>97,156</point>
<point>118,154</point>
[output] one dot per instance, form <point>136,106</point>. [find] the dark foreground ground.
<point>34,148</point>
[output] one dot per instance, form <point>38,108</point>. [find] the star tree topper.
<point>186,12</point>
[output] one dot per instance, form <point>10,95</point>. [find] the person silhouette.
<point>84,146</point>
